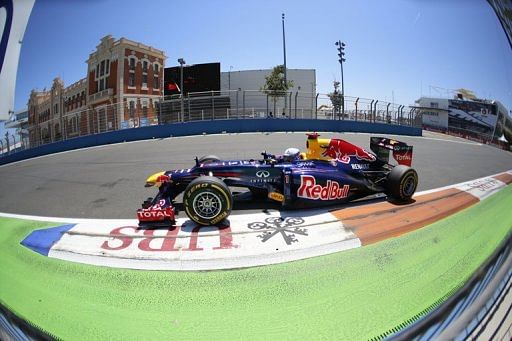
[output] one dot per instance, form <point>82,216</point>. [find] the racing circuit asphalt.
<point>108,181</point>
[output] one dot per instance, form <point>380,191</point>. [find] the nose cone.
<point>152,179</point>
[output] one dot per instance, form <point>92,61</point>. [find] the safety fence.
<point>49,127</point>
<point>239,104</point>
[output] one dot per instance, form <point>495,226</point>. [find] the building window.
<point>132,109</point>
<point>56,109</point>
<point>131,79</point>
<point>132,63</point>
<point>144,66</point>
<point>145,107</point>
<point>102,72</point>
<point>156,68</point>
<point>156,83</point>
<point>144,80</point>
<point>434,105</point>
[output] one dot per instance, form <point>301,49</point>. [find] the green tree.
<point>336,97</point>
<point>275,85</point>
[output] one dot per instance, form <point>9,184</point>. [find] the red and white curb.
<point>248,240</point>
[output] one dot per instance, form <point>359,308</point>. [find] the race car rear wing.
<point>402,152</point>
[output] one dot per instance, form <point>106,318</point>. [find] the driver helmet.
<point>291,154</point>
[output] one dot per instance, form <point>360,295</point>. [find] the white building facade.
<point>245,92</point>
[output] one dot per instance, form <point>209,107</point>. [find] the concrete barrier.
<point>210,127</point>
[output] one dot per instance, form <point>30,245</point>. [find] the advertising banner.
<point>144,122</point>
<point>473,116</point>
<point>435,118</point>
<point>196,78</point>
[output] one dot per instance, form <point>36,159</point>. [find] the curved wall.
<point>210,127</point>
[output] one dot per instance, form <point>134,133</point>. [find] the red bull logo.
<point>342,150</point>
<point>331,191</point>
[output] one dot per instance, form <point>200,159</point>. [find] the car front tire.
<point>207,200</point>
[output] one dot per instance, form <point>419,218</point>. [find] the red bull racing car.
<point>330,171</point>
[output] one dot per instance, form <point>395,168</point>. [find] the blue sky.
<point>400,47</point>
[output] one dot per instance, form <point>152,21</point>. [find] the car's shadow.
<point>245,202</point>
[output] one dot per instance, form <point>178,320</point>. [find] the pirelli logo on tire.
<point>219,218</point>
<point>207,200</point>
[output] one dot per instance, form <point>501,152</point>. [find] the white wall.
<point>253,80</point>
<point>434,118</point>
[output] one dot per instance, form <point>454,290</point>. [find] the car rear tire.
<point>402,183</point>
<point>207,200</point>
<point>209,159</point>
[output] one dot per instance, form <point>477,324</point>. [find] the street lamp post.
<point>341,55</point>
<point>229,78</point>
<point>182,62</point>
<point>284,57</point>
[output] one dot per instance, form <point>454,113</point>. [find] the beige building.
<point>122,86</point>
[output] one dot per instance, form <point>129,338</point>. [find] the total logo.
<point>331,191</point>
<point>155,213</point>
<point>403,157</point>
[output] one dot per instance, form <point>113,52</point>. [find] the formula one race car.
<point>331,171</point>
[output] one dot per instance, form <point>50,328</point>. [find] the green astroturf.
<point>355,294</point>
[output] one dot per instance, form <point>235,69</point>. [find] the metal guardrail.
<point>466,313</point>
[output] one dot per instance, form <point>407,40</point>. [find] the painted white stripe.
<point>274,238</point>
<point>209,264</point>
<point>483,188</point>
<point>460,185</point>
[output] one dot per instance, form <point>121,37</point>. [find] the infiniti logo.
<point>262,174</point>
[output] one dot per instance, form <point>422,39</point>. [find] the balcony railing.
<point>100,95</point>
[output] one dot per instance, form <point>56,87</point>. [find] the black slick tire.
<point>402,183</point>
<point>207,200</point>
